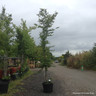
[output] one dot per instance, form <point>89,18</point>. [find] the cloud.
<point>76,19</point>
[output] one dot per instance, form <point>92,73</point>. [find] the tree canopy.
<point>25,43</point>
<point>6,32</point>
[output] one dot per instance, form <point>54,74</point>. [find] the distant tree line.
<point>85,58</point>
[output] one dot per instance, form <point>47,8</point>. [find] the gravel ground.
<point>67,82</point>
<point>33,86</point>
<point>75,82</point>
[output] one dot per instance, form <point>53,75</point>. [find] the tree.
<point>46,21</point>
<point>6,37</point>
<point>25,43</point>
<point>93,57</point>
<point>6,32</point>
<point>65,57</point>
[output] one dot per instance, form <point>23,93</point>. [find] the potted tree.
<point>5,78</point>
<point>46,21</point>
<point>6,41</point>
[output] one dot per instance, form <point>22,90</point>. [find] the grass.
<point>12,85</point>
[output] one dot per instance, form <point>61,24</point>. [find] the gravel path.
<point>75,82</point>
<point>33,86</point>
<point>67,82</point>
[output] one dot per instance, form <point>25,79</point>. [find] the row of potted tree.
<point>12,73</point>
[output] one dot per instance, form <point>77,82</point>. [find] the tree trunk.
<point>22,59</point>
<point>45,74</point>
<point>5,66</point>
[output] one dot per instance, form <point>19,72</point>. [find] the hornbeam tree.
<point>45,21</point>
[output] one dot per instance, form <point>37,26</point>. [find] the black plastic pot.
<point>47,87</point>
<point>20,74</point>
<point>13,77</point>
<point>4,86</point>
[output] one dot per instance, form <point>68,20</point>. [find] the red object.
<point>1,74</point>
<point>8,71</point>
<point>13,70</point>
<point>18,68</point>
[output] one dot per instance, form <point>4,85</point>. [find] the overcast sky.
<point>76,20</point>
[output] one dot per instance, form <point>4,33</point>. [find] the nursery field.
<point>67,82</point>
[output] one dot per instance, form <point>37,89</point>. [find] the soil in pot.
<point>47,87</point>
